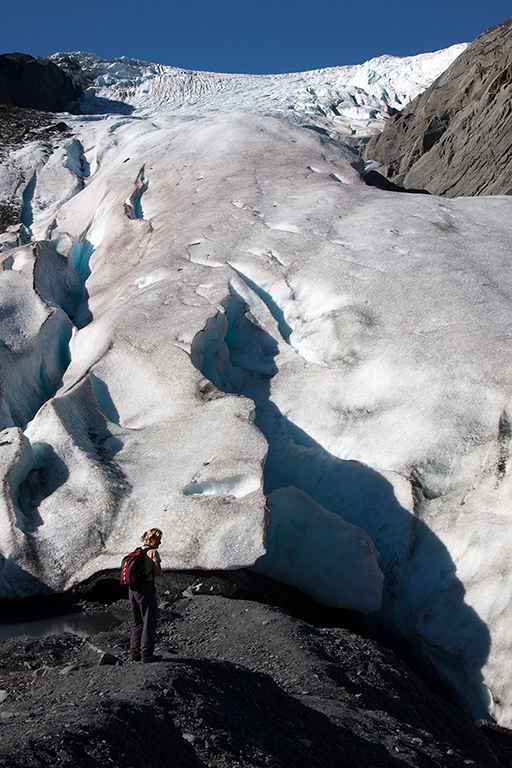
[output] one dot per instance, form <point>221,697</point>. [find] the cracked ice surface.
<point>350,101</point>
<point>245,301</point>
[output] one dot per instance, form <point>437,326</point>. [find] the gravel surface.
<point>240,683</point>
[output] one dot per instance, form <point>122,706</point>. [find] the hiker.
<point>143,601</point>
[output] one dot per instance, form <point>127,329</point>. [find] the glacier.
<point>211,324</point>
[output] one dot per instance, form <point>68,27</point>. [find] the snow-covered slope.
<point>212,316</point>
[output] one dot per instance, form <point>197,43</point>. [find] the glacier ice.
<point>317,551</point>
<point>351,101</point>
<point>212,313</point>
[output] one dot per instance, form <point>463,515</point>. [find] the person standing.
<point>143,603</point>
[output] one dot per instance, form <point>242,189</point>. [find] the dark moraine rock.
<point>37,83</point>
<point>240,684</point>
<point>456,138</point>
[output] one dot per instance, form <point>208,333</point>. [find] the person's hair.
<point>151,533</point>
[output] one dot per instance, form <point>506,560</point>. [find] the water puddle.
<point>81,624</point>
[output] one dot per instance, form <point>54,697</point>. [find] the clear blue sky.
<point>250,36</point>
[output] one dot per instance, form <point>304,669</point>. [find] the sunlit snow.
<point>350,101</point>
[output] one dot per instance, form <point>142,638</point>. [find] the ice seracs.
<point>218,318</point>
<point>351,101</point>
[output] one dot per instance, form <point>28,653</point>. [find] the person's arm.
<point>155,559</point>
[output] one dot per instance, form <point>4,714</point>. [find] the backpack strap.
<point>152,572</point>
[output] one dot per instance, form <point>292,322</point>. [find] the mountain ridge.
<point>453,140</point>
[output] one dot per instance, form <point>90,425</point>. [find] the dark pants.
<point>144,615</point>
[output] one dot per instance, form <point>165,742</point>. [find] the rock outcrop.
<point>30,81</point>
<point>456,138</point>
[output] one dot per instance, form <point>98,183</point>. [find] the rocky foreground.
<point>240,683</point>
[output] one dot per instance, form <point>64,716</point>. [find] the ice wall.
<point>217,312</point>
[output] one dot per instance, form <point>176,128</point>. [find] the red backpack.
<point>133,568</point>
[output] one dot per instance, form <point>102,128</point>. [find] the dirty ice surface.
<point>206,316</point>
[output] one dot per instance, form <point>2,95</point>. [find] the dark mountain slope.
<point>456,138</point>
<point>30,81</point>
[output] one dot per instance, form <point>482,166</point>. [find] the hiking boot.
<point>135,656</point>
<point>149,659</point>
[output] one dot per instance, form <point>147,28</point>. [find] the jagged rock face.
<point>28,81</point>
<point>456,138</point>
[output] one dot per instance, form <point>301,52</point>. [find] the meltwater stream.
<point>82,624</point>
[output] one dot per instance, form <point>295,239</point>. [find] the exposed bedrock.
<point>455,139</point>
<point>259,324</point>
<point>31,81</point>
